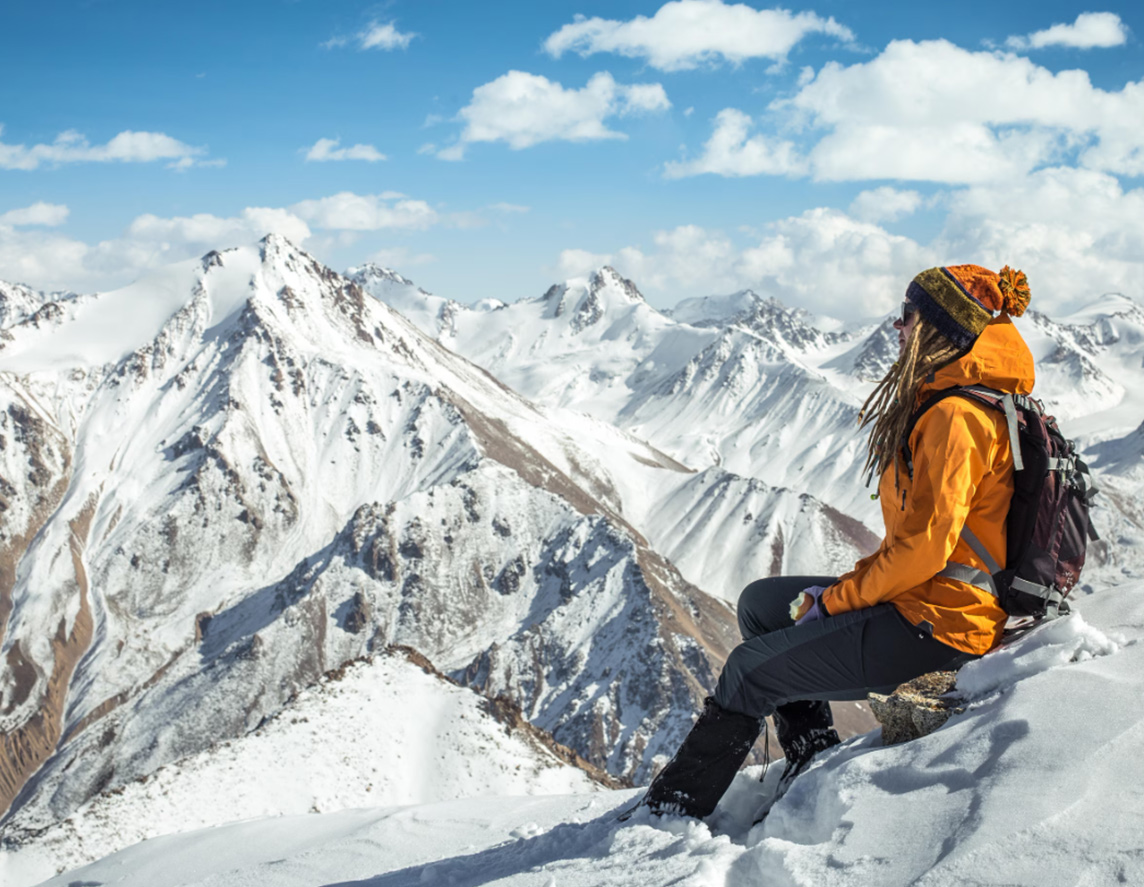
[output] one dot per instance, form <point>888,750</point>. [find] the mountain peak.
<point>608,276</point>
<point>719,310</point>
<point>371,271</point>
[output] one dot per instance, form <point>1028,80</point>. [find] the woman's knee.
<point>747,608</point>
<point>760,608</point>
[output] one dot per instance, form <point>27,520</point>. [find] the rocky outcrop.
<point>24,748</point>
<point>916,708</point>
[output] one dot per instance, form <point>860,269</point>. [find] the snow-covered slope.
<point>226,481</point>
<point>1037,784</point>
<point>771,393</point>
<point>214,507</point>
<point>416,739</point>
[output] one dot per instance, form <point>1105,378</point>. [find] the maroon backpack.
<point>1048,524</point>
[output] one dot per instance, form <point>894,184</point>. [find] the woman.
<point>895,616</point>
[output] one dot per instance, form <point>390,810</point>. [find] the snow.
<point>1037,784</point>
<point>261,449</point>
<point>416,739</point>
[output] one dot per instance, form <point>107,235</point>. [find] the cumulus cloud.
<point>684,34</point>
<point>379,35</point>
<point>580,262</point>
<point>933,111</point>
<point>400,257</point>
<point>39,213</point>
<point>732,151</point>
<point>1077,233</point>
<point>206,230</point>
<point>327,149</point>
<point>365,212</point>
<point>44,260</point>
<point>47,260</point>
<point>1091,30</point>
<point>885,204</point>
<point>126,147</point>
<point>525,109</point>
<point>822,260</point>
<point>511,208</point>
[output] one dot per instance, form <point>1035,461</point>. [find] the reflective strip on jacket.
<point>963,473</point>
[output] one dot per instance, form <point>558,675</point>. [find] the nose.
<point>899,323</point>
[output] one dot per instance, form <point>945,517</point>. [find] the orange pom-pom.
<point>1015,295</point>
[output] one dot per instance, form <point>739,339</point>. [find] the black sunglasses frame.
<point>909,309</point>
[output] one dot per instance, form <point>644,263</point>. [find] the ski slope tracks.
<point>1037,784</point>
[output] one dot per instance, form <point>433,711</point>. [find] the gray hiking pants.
<point>842,657</point>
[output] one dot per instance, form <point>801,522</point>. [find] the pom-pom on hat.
<point>960,299</point>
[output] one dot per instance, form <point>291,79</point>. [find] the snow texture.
<point>1037,783</point>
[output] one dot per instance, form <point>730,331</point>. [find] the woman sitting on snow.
<point>895,616</point>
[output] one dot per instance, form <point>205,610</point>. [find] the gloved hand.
<point>808,606</point>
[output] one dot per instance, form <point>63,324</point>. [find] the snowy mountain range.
<point>247,485</point>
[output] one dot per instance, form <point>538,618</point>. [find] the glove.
<point>808,606</point>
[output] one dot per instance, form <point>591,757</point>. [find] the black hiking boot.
<point>804,730</point>
<point>695,779</point>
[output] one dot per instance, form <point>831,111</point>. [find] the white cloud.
<point>206,230</point>
<point>401,257</point>
<point>1076,233</point>
<point>368,212</point>
<point>687,33</point>
<point>43,259</point>
<point>525,109</point>
<point>39,213</point>
<point>828,262</point>
<point>384,36</point>
<point>379,35</point>
<point>936,112</point>
<point>46,260</point>
<point>732,152</point>
<point>327,149</point>
<point>885,204</point>
<point>127,147</point>
<point>1091,30</point>
<point>933,111</point>
<point>579,262</point>
<point>822,260</point>
<point>512,208</point>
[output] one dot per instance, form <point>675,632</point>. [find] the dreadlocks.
<point>889,406</point>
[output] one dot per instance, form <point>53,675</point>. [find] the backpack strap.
<point>998,400</point>
<point>1009,407</point>
<point>1006,403</point>
<point>972,575</point>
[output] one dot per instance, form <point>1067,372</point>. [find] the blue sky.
<point>822,153</point>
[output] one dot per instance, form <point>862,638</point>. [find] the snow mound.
<point>1057,643</point>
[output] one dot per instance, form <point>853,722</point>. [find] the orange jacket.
<point>963,474</point>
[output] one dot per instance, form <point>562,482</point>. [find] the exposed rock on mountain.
<point>768,392</point>
<point>248,473</point>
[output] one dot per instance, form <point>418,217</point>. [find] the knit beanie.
<point>960,299</point>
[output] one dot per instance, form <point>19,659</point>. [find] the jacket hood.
<point>999,359</point>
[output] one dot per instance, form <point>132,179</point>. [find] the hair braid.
<point>892,402</point>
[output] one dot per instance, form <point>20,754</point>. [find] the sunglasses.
<point>909,309</point>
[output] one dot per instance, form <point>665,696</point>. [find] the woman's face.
<point>905,325</point>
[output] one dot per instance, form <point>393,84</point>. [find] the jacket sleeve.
<point>953,446</point>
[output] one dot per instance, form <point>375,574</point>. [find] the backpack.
<point>1048,525</point>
